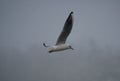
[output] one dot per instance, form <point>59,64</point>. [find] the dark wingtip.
<point>71,12</point>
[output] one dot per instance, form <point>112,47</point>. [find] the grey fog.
<point>95,37</point>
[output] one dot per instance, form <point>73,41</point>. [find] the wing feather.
<point>66,30</point>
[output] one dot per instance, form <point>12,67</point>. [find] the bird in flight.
<point>61,41</point>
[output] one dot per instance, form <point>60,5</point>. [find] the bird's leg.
<point>71,47</point>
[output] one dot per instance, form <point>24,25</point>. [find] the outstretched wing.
<point>66,30</point>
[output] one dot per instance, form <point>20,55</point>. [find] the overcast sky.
<point>26,24</point>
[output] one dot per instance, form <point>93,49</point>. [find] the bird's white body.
<point>59,48</point>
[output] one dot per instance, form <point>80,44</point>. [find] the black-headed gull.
<point>60,44</point>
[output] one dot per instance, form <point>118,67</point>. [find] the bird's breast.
<point>59,47</point>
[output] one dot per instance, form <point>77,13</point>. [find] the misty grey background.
<point>26,24</point>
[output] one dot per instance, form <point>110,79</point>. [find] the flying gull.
<point>60,44</point>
